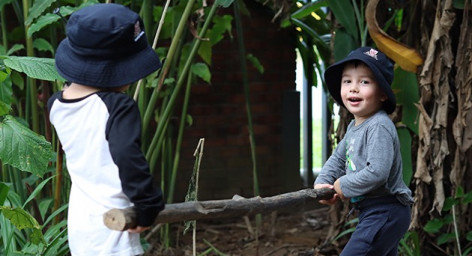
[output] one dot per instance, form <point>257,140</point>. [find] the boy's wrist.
<point>337,188</point>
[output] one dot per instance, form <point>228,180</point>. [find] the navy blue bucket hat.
<point>105,47</point>
<point>378,63</point>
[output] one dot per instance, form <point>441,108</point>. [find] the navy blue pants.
<point>383,221</point>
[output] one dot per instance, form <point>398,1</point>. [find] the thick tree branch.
<point>122,219</point>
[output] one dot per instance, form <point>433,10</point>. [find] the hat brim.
<point>105,73</point>
<point>333,76</point>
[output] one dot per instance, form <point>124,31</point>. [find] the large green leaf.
<point>38,68</point>
<point>405,86</point>
<point>344,43</point>
<point>19,217</point>
<point>22,148</point>
<point>345,15</point>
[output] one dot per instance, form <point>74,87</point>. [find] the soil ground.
<point>296,233</point>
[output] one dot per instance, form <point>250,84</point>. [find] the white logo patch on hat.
<point>138,33</point>
<point>372,53</point>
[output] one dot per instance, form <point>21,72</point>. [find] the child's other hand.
<point>337,188</point>
<point>138,229</point>
<point>330,201</point>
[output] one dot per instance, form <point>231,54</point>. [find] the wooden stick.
<point>122,219</point>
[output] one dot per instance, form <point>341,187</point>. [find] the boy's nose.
<point>354,88</point>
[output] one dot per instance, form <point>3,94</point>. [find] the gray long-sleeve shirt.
<point>368,161</point>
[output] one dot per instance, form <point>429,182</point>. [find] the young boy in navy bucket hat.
<point>100,127</point>
<point>366,166</point>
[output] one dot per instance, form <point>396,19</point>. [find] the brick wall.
<point>220,116</point>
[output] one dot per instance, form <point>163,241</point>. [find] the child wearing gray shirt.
<point>366,166</point>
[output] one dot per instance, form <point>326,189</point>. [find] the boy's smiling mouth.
<point>354,99</point>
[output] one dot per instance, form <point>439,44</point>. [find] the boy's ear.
<point>383,97</point>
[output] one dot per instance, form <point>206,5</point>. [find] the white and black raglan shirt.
<point>100,135</point>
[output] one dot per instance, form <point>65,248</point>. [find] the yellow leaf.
<point>406,57</point>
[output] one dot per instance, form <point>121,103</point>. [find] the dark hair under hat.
<point>378,63</point>
<point>105,47</point>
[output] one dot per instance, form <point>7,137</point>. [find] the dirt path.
<point>286,234</point>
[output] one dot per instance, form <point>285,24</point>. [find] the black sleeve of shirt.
<point>123,133</point>
<point>51,100</point>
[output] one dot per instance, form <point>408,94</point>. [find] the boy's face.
<point>359,91</point>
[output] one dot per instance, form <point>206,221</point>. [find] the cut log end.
<point>120,219</point>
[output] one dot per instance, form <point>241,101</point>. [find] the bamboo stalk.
<point>164,119</point>
<point>167,64</point>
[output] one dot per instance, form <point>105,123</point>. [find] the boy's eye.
<point>345,81</point>
<point>364,82</point>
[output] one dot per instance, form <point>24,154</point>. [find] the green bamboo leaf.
<point>44,206</point>
<point>3,192</point>
<point>314,35</point>
<point>15,48</point>
<point>224,3</point>
<point>344,13</point>
<point>433,226</point>
<point>307,9</point>
<point>22,148</point>
<point>467,251</point>
<point>459,192</point>
<point>467,198</point>
<point>37,9</point>
<point>43,45</point>
<point>468,236</point>
<point>445,237</point>
<point>255,61</point>
<point>38,68</point>
<point>37,190</point>
<point>58,246</point>
<point>202,71</point>
<point>448,203</point>
<point>42,22</point>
